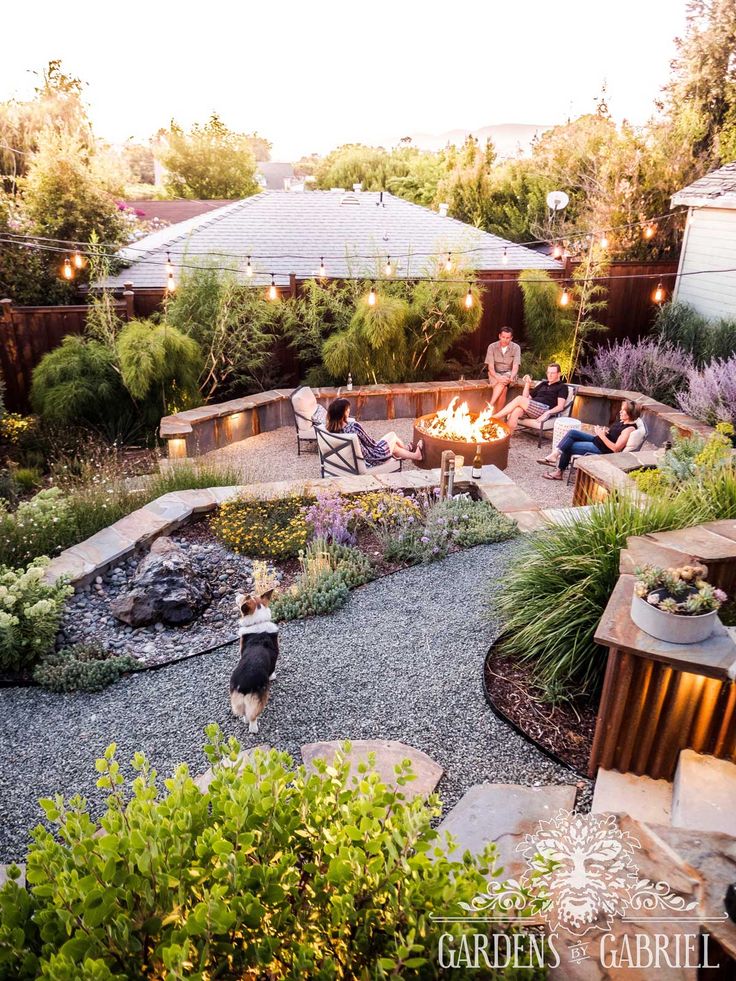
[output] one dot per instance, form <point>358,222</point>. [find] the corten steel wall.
<point>26,334</point>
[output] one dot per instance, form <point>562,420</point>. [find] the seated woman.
<point>601,440</point>
<point>375,451</point>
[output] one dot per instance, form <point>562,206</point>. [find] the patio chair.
<point>637,438</point>
<point>535,426</point>
<point>341,455</point>
<point>307,411</point>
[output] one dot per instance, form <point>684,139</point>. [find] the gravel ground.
<point>403,660</point>
<point>273,456</point>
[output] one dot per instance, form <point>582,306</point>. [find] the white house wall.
<point>710,244</point>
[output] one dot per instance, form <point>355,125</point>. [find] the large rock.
<point>165,588</point>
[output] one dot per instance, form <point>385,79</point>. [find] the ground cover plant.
<point>81,667</point>
<point>687,458</point>
<point>554,595</point>
<point>30,611</point>
<point>272,873</point>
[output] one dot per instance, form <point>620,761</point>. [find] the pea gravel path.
<point>402,660</point>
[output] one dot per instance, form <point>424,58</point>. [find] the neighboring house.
<point>273,175</point>
<point>285,234</point>
<point>709,244</point>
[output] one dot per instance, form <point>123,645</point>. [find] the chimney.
<point>443,209</point>
<point>357,188</point>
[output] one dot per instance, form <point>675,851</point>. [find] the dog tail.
<point>250,704</point>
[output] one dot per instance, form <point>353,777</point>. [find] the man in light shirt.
<point>503,358</point>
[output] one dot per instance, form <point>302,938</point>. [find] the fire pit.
<point>456,428</point>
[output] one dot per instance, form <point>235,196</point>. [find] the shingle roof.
<point>174,211</point>
<point>715,190</point>
<point>286,232</point>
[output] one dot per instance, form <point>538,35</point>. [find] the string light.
<point>389,269</point>
<point>322,270</point>
<point>372,297</point>
<point>649,231</point>
<point>564,297</point>
<point>68,271</point>
<point>273,293</point>
<point>249,269</point>
<point>448,262</point>
<point>505,256</point>
<point>557,251</point>
<point>170,282</point>
<point>658,295</point>
<point>469,298</point>
<point>78,260</point>
<point>603,241</point>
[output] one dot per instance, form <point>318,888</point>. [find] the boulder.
<point>166,588</point>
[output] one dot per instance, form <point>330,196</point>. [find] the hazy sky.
<point>314,74</point>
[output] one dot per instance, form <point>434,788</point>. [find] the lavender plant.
<point>653,367</point>
<point>711,392</point>
<point>331,518</point>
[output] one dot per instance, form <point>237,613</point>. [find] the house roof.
<point>715,190</point>
<point>286,233</point>
<point>174,211</point>
<point>274,173</point>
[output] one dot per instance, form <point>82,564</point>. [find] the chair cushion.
<point>319,416</point>
<point>636,438</point>
<point>304,404</point>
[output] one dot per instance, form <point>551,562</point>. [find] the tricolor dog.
<point>250,682</point>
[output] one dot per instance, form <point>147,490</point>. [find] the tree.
<point>208,162</point>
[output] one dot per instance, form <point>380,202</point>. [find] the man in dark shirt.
<point>547,399</point>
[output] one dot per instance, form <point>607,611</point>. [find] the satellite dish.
<point>557,200</point>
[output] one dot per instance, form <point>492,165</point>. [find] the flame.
<point>456,422</point>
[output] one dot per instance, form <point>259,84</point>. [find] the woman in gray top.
<point>503,358</point>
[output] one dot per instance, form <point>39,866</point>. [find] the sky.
<point>315,74</point>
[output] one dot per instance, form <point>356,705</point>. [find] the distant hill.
<point>510,139</point>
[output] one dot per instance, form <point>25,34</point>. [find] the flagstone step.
<point>642,798</point>
<point>704,795</point>
<point>503,813</point>
<point>389,753</point>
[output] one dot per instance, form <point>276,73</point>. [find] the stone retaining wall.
<point>210,427</point>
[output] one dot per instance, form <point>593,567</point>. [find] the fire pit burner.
<point>456,429</point>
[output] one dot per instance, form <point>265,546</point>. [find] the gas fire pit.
<point>456,428</point>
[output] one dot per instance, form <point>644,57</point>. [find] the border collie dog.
<point>250,682</point>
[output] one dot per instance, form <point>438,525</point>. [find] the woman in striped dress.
<point>375,451</point>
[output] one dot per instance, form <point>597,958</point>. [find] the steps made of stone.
<point>704,794</point>
<point>642,798</point>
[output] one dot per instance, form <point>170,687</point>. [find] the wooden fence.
<point>27,333</point>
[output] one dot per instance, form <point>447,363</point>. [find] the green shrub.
<point>81,667</point>
<point>30,611</point>
<point>329,572</point>
<point>159,365</point>
<point>28,478</point>
<point>681,325</point>
<point>262,529</point>
<point>554,594</point>
<point>272,873</point>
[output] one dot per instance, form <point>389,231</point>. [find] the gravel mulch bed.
<point>565,729</point>
<point>402,660</point>
<point>273,456</point>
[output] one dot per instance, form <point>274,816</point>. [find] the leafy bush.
<point>27,478</point>
<point>81,667</point>
<point>711,392</point>
<point>30,611</point>
<point>549,327</point>
<point>680,325</point>
<point>652,367</point>
<point>687,459</point>
<point>386,508</point>
<point>159,365</point>
<point>553,596</point>
<point>329,571</point>
<point>262,529</point>
<point>273,873</point>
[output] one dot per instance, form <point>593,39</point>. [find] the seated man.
<point>502,360</point>
<point>546,400</point>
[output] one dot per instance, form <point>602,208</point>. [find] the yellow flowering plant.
<point>262,529</point>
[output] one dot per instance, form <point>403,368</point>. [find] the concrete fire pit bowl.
<point>494,452</point>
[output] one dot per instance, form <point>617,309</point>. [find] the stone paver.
<point>389,753</point>
<point>642,798</point>
<point>704,796</point>
<point>4,877</point>
<point>204,780</point>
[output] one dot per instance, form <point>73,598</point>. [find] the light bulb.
<point>322,270</point>
<point>505,256</point>
<point>372,297</point>
<point>658,295</point>
<point>557,251</point>
<point>649,231</point>
<point>170,283</point>
<point>248,269</point>
<point>169,267</point>
<point>78,260</point>
<point>68,271</point>
<point>564,297</point>
<point>389,268</point>
<point>448,262</point>
<point>469,298</point>
<point>273,293</point>
<point>603,242</point>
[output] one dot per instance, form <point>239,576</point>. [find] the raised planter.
<point>670,627</point>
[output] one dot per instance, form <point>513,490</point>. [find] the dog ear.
<point>266,597</point>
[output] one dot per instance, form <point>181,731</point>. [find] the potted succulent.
<point>675,605</point>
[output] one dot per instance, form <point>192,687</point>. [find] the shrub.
<point>711,392</point>
<point>81,667</point>
<point>14,426</point>
<point>652,367</point>
<point>553,596</point>
<point>262,529</point>
<point>682,326</point>
<point>159,366</point>
<point>386,508</point>
<point>549,327</point>
<point>30,611</point>
<point>330,517</point>
<point>689,457</point>
<point>270,873</point>
<point>28,478</point>
<point>329,572</point>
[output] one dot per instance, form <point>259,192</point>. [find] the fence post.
<point>129,297</point>
<point>7,309</point>
<point>292,285</point>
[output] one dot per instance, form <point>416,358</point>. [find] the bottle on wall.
<point>477,464</point>
<point>350,382</point>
